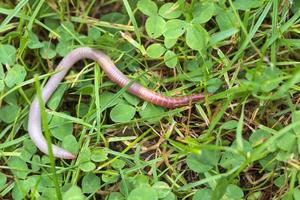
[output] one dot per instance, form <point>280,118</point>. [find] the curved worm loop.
<point>34,123</point>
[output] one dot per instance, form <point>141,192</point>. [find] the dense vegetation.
<point>241,142</point>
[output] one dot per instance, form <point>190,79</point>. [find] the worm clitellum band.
<point>34,123</point>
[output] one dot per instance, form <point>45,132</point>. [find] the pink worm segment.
<point>34,122</point>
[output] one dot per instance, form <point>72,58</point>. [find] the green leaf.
<point>286,142</point>
<point>204,161</point>
<point>152,112</point>
<point>94,33</point>
<point>265,79</point>
<point>2,74</point>
<point>48,51</point>
<point>220,188</point>
<point>269,79</point>
<point>2,85</point>
<point>33,41</point>
<point>147,7</point>
<point>296,193</point>
<point>170,42</point>
<point>73,193</point>
<point>106,99</point>
<point>229,125</point>
<point>255,196</point>
<point>170,59</point>
<point>69,143</point>
<point>175,28</point>
<point>64,31</point>
<point>118,164</point>
<point>20,189</point>
<point>116,196</point>
<point>230,160</point>
<point>46,180</point>
<point>126,185</point>
<point>122,113</point>
<point>143,193</point>
<point>203,194</point>
<point>52,23</point>
<point>296,118</point>
<point>87,166</point>
<point>295,8</point>
<point>12,98</point>
<point>99,155</point>
<point>90,183</point>
<point>203,12</point>
<point>227,20</point>
<point>192,64</point>
<point>155,50</point>
<point>60,127</point>
<point>259,137</point>
<point>85,89</point>
<point>115,17</point>
<point>8,113</point>
<point>162,189</point>
<point>196,37</point>
<point>268,162</point>
<point>233,192</point>
<point>3,180</point>
<point>220,36</point>
<point>18,167</point>
<point>49,194</point>
<point>84,155</point>
<point>170,11</point>
<point>213,85</point>
<point>57,97</point>
<point>15,75</point>
<point>64,47</point>
<point>246,4</point>
<point>45,159</point>
<point>25,155</point>
<point>170,196</point>
<point>133,100</point>
<point>155,26</point>
<point>140,180</point>
<point>83,109</point>
<point>29,146</point>
<point>107,178</point>
<point>283,156</point>
<point>36,162</point>
<point>7,54</point>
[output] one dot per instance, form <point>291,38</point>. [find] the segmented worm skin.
<point>34,122</point>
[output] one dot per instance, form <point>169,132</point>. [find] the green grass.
<point>241,142</point>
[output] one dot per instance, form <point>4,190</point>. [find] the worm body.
<point>115,75</point>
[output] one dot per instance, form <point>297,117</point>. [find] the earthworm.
<point>114,74</point>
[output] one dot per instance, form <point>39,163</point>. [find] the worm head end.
<point>67,155</point>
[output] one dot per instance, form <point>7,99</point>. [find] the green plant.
<point>235,144</point>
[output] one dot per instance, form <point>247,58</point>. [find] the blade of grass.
<point>249,36</point>
<point>243,27</point>
<point>16,10</point>
<point>239,129</point>
<point>293,20</point>
<point>219,115</point>
<point>13,142</point>
<point>274,30</point>
<point>133,21</point>
<point>208,179</point>
<point>97,103</point>
<point>48,137</point>
<point>126,149</point>
<point>34,14</point>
